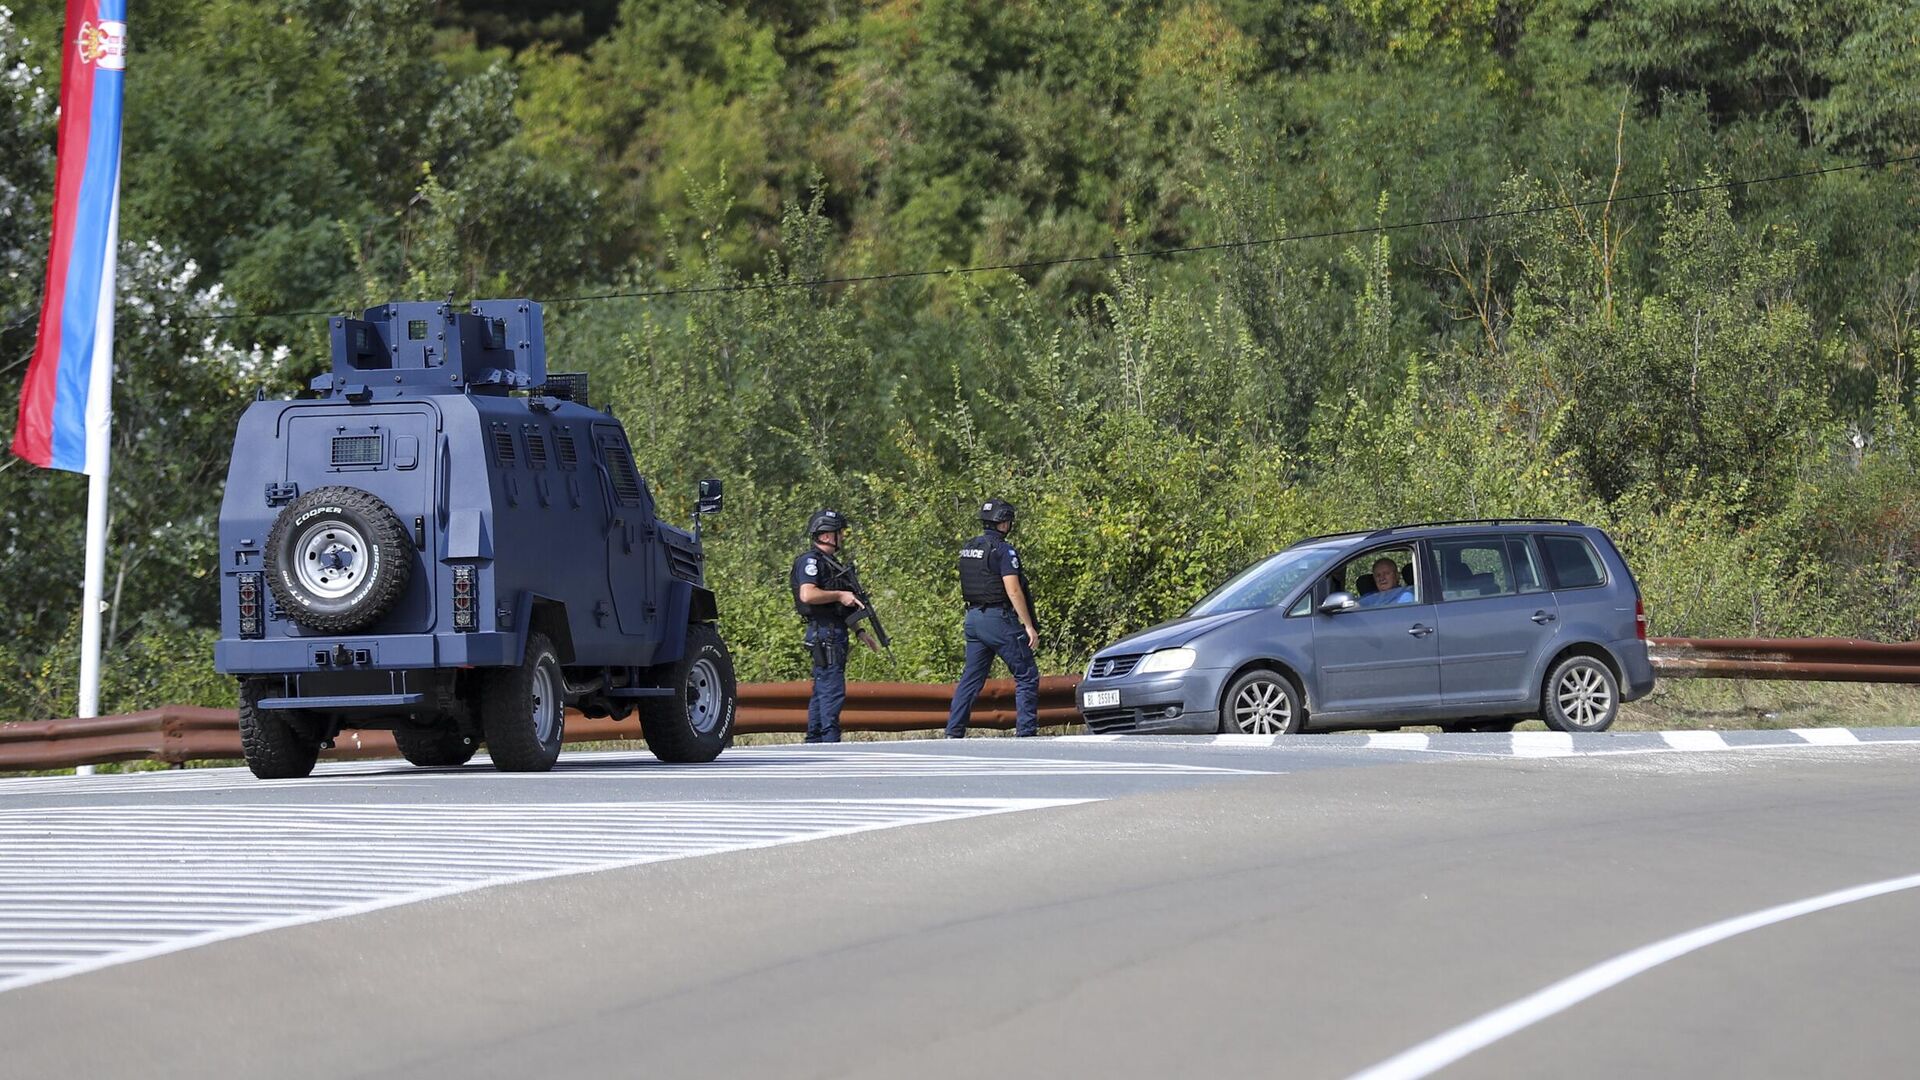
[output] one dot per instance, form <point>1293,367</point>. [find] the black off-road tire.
<point>696,722</point>
<point>1262,702</point>
<point>276,746</point>
<point>523,710</point>
<point>1581,694</point>
<point>435,746</point>
<point>364,530</point>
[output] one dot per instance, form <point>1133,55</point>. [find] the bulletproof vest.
<point>831,612</point>
<point>979,582</point>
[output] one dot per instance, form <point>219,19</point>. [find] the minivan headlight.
<point>1166,660</point>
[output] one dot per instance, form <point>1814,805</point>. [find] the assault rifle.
<point>847,576</point>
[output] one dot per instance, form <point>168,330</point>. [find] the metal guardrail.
<point>179,734</point>
<point>1800,659</point>
<point>174,734</point>
<point>183,733</point>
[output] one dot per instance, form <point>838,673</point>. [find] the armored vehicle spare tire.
<point>338,559</point>
<point>695,723</point>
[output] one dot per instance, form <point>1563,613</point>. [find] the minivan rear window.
<point>1574,563</point>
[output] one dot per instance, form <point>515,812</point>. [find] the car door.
<point>1497,619</point>
<point>1377,660</point>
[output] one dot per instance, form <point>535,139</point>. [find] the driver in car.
<point>1387,587</point>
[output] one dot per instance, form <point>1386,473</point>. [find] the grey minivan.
<point>1471,625</point>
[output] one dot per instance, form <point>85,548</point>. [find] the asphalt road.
<point>993,908</point>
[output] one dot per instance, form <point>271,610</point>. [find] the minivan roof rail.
<point>1436,525</point>
<point>1327,536</point>
<point>1476,521</point>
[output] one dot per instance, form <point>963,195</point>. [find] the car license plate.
<point>1100,699</point>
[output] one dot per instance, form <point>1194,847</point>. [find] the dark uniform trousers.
<point>828,643</point>
<point>996,631</point>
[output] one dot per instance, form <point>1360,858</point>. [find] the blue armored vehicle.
<point>449,543</point>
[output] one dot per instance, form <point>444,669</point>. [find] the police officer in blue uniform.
<point>999,622</point>
<point>824,606</point>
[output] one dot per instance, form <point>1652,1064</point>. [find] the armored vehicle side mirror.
<point>1335,603</point>
<point>709,502</point>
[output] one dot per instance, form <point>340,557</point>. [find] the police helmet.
<point>826,521</point>
<point>995,511</point>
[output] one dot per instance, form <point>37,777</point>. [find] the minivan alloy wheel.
<point>1583,696</point>
<point>1262,706</point>
<point>1580,695</point>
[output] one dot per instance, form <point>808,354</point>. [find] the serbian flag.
<point>69,382</point>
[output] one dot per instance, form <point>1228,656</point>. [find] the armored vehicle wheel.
<point>275,745</point>
<point>338,559</point>
<point>523,710</point>
<point>696,723</point>
<point>434,746</point>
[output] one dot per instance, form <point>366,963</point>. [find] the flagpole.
<point>99,444</point>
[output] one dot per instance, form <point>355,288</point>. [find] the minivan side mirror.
<point>1335,603</point>
<point>709,502</point>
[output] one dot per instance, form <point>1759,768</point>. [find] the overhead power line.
<point>1168,252</point>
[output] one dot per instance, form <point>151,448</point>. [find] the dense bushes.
<point>1723,377</point>
<point>1139,437</point>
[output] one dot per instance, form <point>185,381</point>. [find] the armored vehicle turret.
<point>451,543</point>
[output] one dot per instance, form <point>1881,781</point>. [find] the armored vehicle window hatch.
<point>356,450</point>
<point>626,481</point>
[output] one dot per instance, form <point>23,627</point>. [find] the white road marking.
<point>1828,736</point>
<point>1694,740</point>
<point>1237,738</point>
<point>87,887</point>
<point>1542,743</point>
<point>1524,744</point>
<point>1444,1049</point>
<point>1398,740</point>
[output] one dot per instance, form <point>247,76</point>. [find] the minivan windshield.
<point>1268,581</point>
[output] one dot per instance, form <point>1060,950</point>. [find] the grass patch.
<point>1727,704</point>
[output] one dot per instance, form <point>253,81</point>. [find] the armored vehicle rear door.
<point>632,553</point>
<point>386,450</point>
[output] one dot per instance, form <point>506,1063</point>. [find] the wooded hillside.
<point>1722,376</point>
